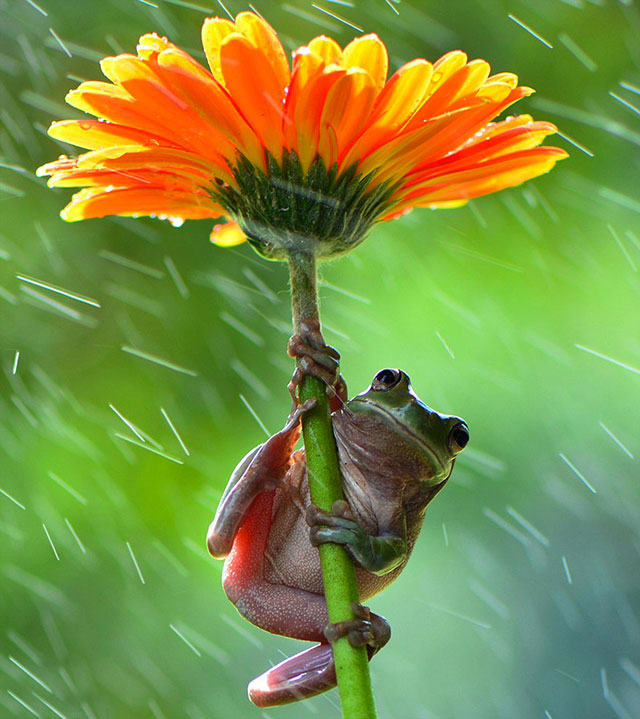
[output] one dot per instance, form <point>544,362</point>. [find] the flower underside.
<point>321,211</point>
<point>306,156</point>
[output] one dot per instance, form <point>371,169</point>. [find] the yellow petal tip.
<point>228,234</point>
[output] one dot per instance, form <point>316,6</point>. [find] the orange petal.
<point>505,78</point>
<point>328,146</point>
<point>136,156</point>
<point>308,113</point>
<point>491,176</point>
<point>495,91</point>
<point>508,142</point>
<point>264,37</point>
<point>506,136</point>
<point>327,49</point>
<point>347,107</point>
<point>133,202</point>
<point>369,53</point>
<point>113,103</point>
<point>152,44</point>
<point>214,31</point>
<point>397,102</point>
<point>95,135</point>
<point>255,89</point>
<point>213,104</point>
<point>227,234</point>
<point>306,65</point>
<point>457,87</point>
<point>416,149</point>
<point>166,106</point>
<point>445,67</point>
<point>134,161</point>
<point>498,128</point>
<point>121,179</point>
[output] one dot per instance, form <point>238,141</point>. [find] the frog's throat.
<point>403,427</point>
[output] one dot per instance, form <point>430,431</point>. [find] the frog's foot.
<point>296,412</point>
<point>338,527</point>
<point>365,629</point>
<point>378,554</point>
<point>316,359</point>
<point>313,671</point>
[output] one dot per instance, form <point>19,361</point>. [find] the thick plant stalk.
<point>325,484</point>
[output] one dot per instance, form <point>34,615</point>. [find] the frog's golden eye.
<point>386,379</point>
<point>459,438</point>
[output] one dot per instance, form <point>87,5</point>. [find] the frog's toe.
<point>365,629</point>
<point>359,632</point>
<point>332,535</point>
<point>309,367</point>
<point>297,410</point>
<point>315,357</point>
<point>340,508</point>
<point>341,516</point>
<point>300,346</point>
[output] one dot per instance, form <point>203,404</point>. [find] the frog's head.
<point>440,437</point>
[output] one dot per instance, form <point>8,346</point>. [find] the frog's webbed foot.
<point>337,526</point>
<point>377,554</point>
<point>313,671</point>
<point>365,629</point>
<point>316,359</point>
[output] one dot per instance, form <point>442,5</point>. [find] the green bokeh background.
<point>484,306</point>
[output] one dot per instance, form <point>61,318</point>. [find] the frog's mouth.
<point>439,465</point>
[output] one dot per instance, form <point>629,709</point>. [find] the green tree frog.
<point>395,455</point>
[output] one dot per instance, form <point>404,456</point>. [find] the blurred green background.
<point>522,598</point>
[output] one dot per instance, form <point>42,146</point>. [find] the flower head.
<point>302,157</point>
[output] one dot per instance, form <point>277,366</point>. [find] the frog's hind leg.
<point>277,608</point>
<point>291,612</point>
<point>304,675</point>
<point>312,671</point>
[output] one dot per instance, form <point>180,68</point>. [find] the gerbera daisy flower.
<point>301,157</point>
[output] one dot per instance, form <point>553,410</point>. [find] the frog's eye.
<point>386,379</point>
<point>459,438</point>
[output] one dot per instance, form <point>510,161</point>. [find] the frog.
<point>395,455</point>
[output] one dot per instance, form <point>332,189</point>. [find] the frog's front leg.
<point>262,469</point>
<point>317,359</point>
<point>377,554</point>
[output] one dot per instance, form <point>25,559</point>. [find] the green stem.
<point>325,485</point>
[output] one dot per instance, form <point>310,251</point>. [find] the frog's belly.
<point>290,557</point>
<point>292,560</point>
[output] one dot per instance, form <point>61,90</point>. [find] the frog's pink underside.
<point>308,672</point>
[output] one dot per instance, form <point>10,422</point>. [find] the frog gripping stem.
<point>325,484</point>
<point>313,671</point>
